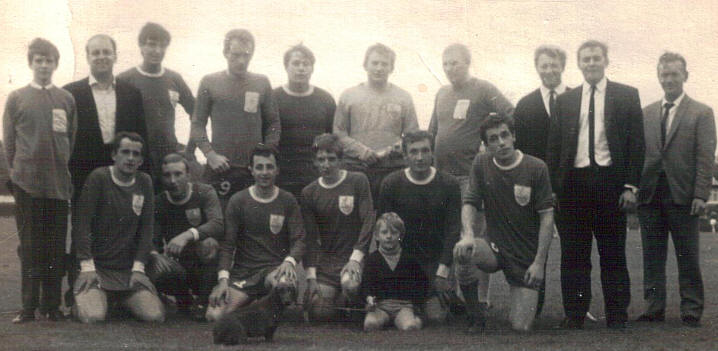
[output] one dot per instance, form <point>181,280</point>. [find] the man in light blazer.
<point>595,156</point>
<point>105,106</point>
<point>675,185</point>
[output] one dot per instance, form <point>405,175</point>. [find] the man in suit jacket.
<point>532,115</point>
<point>595,155</point>
<point>675,184</point>
<point>105,106</point>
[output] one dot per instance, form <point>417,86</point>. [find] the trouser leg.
<point>654,238</point>
<point>685,235</point>
<point>25,219</point>
<point>55,231</point>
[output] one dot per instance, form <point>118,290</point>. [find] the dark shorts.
<point>513,269</point>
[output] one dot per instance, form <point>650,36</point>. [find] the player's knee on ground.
<point>523,308</point>
<point>375,320</point>
<point>407,320</point>
<point>434,311</point>
<point>90,306</point>
<point>146,306</point>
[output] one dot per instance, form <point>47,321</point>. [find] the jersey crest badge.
<point>194,216</point>
<point>276,222</point>
<point>137,202</point>
<point>522,194</point>
<point>346,204</point>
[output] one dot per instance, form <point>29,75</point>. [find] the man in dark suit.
<point>675,184</point>
<point>532,115</point>
<point>595,155</point>
<point>105,106</point>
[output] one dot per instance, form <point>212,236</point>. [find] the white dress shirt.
<point>602,154</point>
<point>671,112</point>
<point>546,95</point>
<point>106,105</point>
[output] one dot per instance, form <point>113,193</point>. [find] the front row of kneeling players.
<point>264,238</point>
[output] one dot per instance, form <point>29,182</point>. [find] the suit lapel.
<point>92,121</point>
<point>574,113</point>
<point>680,112</point>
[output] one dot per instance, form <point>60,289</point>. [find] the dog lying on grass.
<point>260,318</point>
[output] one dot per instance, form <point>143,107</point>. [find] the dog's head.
<point>287,293</point>
<point>228,330</point>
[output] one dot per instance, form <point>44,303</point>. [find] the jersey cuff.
<point>550,209</point>
<point>291,260</point>
<point>633,188</point>
<point>195,233</point>
<point>87,265</point>
<point>223,274</point>
<point>138,267</point>
<point>357,255</point>
<point>442,271</point>
<point>311,272</point>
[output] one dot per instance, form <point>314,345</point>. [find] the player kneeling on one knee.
<point>113,237</point>
<point>509,200</point>
<point>393,282</point>
<point>338,214</point>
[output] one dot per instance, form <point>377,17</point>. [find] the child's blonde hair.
<point>392,221</point>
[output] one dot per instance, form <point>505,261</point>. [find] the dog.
<point>260,318</point>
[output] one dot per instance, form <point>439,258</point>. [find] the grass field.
<point>180,334</point>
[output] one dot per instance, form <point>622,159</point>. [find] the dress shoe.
<point>654,317</point>
<point>571,324</point>
<point>691,321</point>
<point>55,315</point>
<point>24,317</point>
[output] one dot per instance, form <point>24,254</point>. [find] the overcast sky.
<point>501,35</point>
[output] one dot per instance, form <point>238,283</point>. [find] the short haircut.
<point>329,143</point>
<point>174,158</point>
<point>241,35</point>
<point>154,31</point>
<point>495,120</point>
<point>132,136</point>
<point>381,49</point>
<point>412,137</point>
<point>552,52</point>
<point>43,47</point>
<point>592,44</point>
<point>264,151</point>
<point>460,48</point>
<point>112,41</point>
<point>301,48</point>
<point>672,57</point>
<point>392,221</point>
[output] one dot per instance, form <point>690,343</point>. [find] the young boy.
<point>393,282</point>
<point>338,215</point>
<point>39,126</point>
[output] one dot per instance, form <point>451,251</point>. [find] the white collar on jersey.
<point>309,91</point>
<point>519,157</point>
<point>428,179</point>
<point>118,182</point>
<point>342,176</point>
<point>148,74</point>
<point>253,194</point>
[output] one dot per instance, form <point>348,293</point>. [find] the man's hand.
<point>370,304</point>
<point>177,244</point>
<point>463,250</point>
<point>312,290</point>
<point>697,207</point>
<point>84,281</point>
<point>534,276</point>
<point>353,268</point>
<point>220,293</point>
<point>443,290</point>
<point>141,279</point>
<point>287,269</point>
<point>217,162</point>
<point>627,201</point>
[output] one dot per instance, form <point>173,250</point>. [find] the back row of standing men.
<point>591,137</point>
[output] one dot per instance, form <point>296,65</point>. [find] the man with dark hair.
<point>533,112</point>
<point>338,215</point>
<point>243,114</point>
<point>161,90</point>
<point>371,118</point>
<point>113,237</point>
<point>39,125</point>
<point>105,106</point>
<point>459,109</point>
<point>305,111</point>
<point>429,202</point>
<point>595,155</point>
<point>188,226</point>
<point>511,193</point>
<point>675,184</point>
<point>263,242</point>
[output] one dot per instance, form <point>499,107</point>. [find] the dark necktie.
<point>666,109</point>
<point>552,102</point>
<point>591,128</point>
